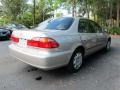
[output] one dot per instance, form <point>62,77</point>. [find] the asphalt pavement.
<point>101,71</point>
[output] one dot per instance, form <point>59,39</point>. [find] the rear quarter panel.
<point>67,41</point>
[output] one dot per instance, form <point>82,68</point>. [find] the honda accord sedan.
<point>64,41</point>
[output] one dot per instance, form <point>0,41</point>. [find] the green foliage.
<point>41,13</point>
<point>58,14</point>
<point>4,20</point>
<point>102,10</point>
<point>26,19</point>
<point>114,31</point>
<point>13,7</point>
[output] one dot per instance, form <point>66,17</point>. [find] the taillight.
<point>43,42</point>
<point>14,39</point>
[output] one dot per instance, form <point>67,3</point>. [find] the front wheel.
<point>75,62</point>
<point>107,48</point>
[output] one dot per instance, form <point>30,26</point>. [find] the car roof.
<point>82,18</point>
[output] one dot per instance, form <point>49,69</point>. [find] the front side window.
<point>63,23</point>
<point>97,27</point>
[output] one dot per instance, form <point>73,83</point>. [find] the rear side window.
<point>63,23</point>
<point>82,27</point>
<point>85,27</point>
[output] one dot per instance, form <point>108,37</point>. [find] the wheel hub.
<point>77,60</point>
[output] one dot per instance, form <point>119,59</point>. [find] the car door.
<point>102,38</point>
<point>88,36</point>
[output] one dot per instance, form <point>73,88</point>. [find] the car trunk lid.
<point>27,35</point>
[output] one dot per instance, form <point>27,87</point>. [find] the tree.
<point>118,13</point>
<point>34,12</point>
<point>110,2</point>
<point>73,3</point>
<point>12,8</point>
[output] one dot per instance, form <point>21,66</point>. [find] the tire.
<point>107,47</point>
<point>75,61</point>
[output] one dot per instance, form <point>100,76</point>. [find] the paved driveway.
<point>100,71</point>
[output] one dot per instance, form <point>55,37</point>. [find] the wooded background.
<point>105,12</point>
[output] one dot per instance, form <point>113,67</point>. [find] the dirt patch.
<point>115,36</point>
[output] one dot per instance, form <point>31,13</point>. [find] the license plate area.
<point>22,42</point>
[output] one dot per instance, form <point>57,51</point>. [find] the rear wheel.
<point>76,61</point>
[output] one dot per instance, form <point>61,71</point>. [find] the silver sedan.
<point>63,41</point>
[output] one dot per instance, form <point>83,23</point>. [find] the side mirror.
<point>31,27</point>
<point>105,30</point>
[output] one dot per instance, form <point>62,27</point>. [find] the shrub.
<point>27,18</point>
<point>114,31</point>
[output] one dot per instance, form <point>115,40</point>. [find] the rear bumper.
<point>45,61</point>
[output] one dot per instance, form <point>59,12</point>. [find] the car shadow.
<point>61,73</point>
<point>4,39</point>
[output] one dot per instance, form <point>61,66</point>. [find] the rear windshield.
<point>63,23</point>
